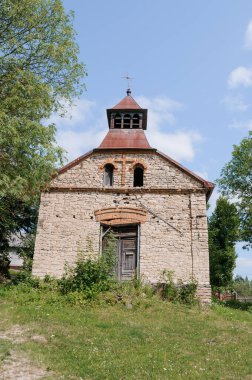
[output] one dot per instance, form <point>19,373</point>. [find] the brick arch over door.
<point>113,216</point>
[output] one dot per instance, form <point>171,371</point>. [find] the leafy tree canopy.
<point>223,234</point>
<point>236,183</point>
<point>37,36</point>
<point>38,69</point>
<point>39,73</point>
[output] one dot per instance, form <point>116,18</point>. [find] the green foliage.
<point>91,276</point>
<point>16,216</point>
<point>36,36</point>
<point>39,74</point>
<point>25,277</point>
<point>246,306</point>
<point>27,250</point>
<point>163,341</point>
<point>242,286</point>
<point>132,293</point>
<point>236,183</point>
<point>180,292</point>
<point>4,266</point>
<point>187,292</point>
<point>223,233</point>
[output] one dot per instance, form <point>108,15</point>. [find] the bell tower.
<point>127,122</point>
<point>127,114</point>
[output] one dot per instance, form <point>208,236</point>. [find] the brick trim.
<point>137,162</point>
<point>109,161</point>
<point>125,190</point>
<point>120,215</point>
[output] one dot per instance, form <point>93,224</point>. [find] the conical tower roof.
<point>127,103</point>
<point>127,121</point>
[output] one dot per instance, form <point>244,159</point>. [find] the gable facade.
<point>160,225</point>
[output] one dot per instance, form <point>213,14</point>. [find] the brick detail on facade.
<point>120,215</point>
<point>160,174</point>
<point>71,214</point>
<point>136,163</point>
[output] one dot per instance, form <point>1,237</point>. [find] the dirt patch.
<point>39,339</point>
<point>19,334</point>
<point>16,334</point>
<point>18,367</point>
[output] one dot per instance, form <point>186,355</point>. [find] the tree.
<point>223,234</point>
<point>243,286</point>
<point>236,183</point>
<point>39,73</point>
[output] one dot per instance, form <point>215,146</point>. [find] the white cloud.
<point>78,113</point>
<point>248,36</point>
<point>180,145</point>
<point>160,110</point>
<point>77,143</point>
<point>244,125</point>
<point>235,103</point>
<point>244,267</point>
<point>81,129</point>
<point>244,262</point>
<point>241,76</point>
<point>85,126</point>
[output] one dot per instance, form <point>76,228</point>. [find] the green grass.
<point>156,340</point>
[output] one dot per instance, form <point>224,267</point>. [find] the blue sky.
<point>192,67</point>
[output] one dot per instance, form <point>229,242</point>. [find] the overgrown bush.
<point>242,286</point>
<point>93,279</point>
<point>92,275</point>
<point>130,293</point>
<point>247,306</point>
<point>187,292</point>
<point>25,276</point>
<point>180,292</point>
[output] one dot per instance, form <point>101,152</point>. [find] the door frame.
<point>104,229</point>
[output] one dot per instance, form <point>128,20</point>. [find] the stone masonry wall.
<point>67,226</point>
<point>159,172</point>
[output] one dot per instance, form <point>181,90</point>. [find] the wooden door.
<point>126,250</point>
<point>127,257</point>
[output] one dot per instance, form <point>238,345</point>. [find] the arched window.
<point>108,175</point>
<point>135,121</point>
<point>138,176</point>
<point>126,121</point>
<point>118,121</point>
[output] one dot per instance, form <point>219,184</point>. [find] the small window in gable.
<point>138,176</point>
<point>118,121</point>
<point>126,121</point>
<point>108,175</point>
<point>135,121</point>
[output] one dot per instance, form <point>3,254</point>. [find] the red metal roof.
<point>127,103</point>
<point>125,138</point>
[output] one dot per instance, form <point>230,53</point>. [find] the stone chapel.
<point>155,207</point>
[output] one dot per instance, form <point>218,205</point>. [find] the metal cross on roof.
<point>128,78</point>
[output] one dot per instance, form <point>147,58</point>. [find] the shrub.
<point>166,287</point>
<point>129,293</point>
<point>91,276</point>
<point>247,306</point>
<point>24,276</point>
<point>181,292</point>
<point>4,266</point>
<point>187,292</point>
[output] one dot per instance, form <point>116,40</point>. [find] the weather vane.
<point>128,78</point>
